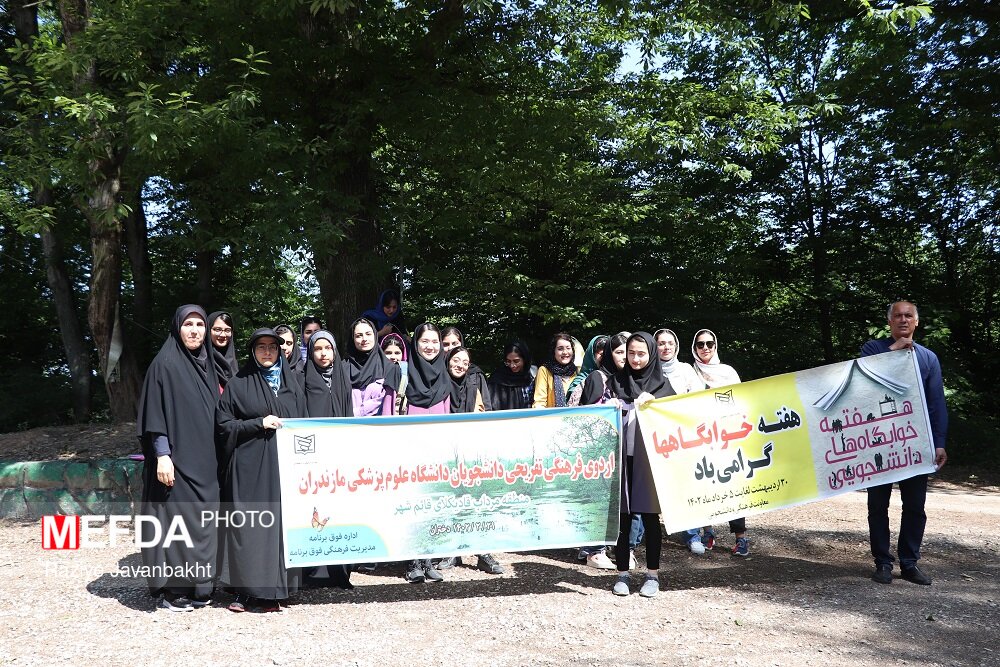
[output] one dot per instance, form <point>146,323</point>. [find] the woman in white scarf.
<point>713,374</point>
<point>709,369</point>
<point>680,375</point>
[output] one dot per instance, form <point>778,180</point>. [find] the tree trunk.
<point>57,275</point>
<point>137,243</point>
<point>121,374</point>
<point>70,328</point>
<point>205,270</point>
<point>350,272</point>
<point>118,367</point>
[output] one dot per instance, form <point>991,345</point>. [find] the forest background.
<point>775,171</point>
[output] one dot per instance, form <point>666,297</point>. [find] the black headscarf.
<point>178,381</point>
<point>367,367</point>
<point>224,358</point>
<point>593,390</point>
<point>505,377</point>
<point>248,395</point>
<point>295,363</point>
<point>628,383</point>
<point>461,387</point>
<point>328,390</point>
<point>427,382</point>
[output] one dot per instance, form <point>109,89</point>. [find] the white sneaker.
<point>696,547</point>
<point>601,561</point>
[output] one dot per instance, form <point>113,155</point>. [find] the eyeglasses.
<point>222,332</point>
<point>266,347</point>
<point>705,343</point>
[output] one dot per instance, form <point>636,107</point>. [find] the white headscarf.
<point>714,373</point>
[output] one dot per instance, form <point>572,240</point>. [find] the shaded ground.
<point>803,598</point>
<point>82,441</point>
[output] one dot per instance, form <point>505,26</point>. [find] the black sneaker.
<point>430,574</point>
<point>199,601</point>
<point>263,606</point>
<point>415,575</point>
<point>172,602</point>
<point>914,575</point>
<point>883,574</point>
<point>487,563</point>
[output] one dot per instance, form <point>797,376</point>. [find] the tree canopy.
<point>775,171</point>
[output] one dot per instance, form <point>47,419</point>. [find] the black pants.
<point>654,541</point>
<point>913,492</point>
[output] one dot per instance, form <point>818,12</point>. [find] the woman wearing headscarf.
<point>175,424</point>
<point>712,373</point>
<point>640,381</point>
<point>395,350</point>
<point>468,388</point>
<point>466,395</point>
<point>598,364</point>
<point>597,387</point>
<point>451,338</point>
<point>428,386</point>
<point>511,385</point>
<point>251,408</point>
<point>222,333</point>
<point>289,349</point>
<point>375,380</point>
<point>591,362</point>
<point>307,327</point>
<point>428,391</point>
<point>387,314</point>
<point>328,394</point>
<point>683,379</point>
<point>327,379</point>
<point>680,375</point>
<point>556,374</point>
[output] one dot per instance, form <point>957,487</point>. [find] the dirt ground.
<point>803,598</point>
<point>82,442</point>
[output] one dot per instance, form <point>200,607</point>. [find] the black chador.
<point>328,394</point>
<point>252,560</point>
<point>176,418</point>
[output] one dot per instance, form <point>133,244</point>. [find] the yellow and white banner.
<point>763,445</point>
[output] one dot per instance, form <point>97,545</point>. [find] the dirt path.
<point>803,598</point>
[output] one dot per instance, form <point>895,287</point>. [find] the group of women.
<point>207,427</point>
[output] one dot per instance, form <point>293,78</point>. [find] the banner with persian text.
<point>763,445</point>
<point>360,490</point>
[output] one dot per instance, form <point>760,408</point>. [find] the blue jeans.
<point>635,534</point>
<point>636,531</point>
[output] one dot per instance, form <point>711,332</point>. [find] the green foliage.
<point>777,171</point>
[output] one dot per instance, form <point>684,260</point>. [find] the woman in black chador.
<point>328,394</point>
<point>264,392</point>
<point>175,425</point>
